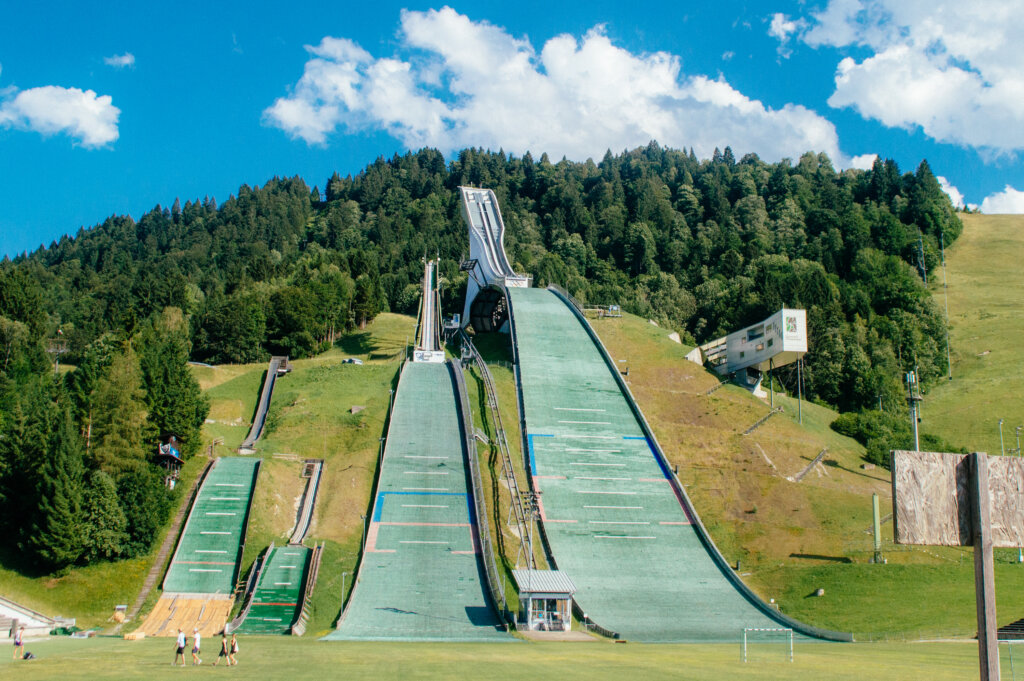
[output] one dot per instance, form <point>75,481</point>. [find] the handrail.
<point>494,584</point>
<point>161,565</point>
<point>503,448</point>
<point>568,296</point>
<point>245,520</point>
<point>684,499</point>
<point>184,528</point>
<point>308,504</point>
<point>250,589</point>
<point>313,571</point>
<point>262,406</point>
<point>28,612</point>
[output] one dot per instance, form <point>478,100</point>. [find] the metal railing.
<point>299,628</point>
<point>494,582</point>
<point>308,504</point>
<point>249,589</point>
<point>522,524</point>
<point>568,296</point>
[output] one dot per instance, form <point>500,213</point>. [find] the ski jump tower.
<point>489,270</point>
<point>428,334</point>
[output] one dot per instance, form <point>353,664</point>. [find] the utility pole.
<point>945,294</point>
<point>920,257</point>
<point>913,399</point>
<point>800,390</point>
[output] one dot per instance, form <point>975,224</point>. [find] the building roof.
<point>543,581</point>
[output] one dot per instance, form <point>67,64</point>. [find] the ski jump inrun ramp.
<point>421,576</point>
<point>616,519</point>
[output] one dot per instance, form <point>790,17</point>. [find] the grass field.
<point>985,279</point>
<point>294,659</point>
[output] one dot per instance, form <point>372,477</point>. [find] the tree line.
<point>702,246</point>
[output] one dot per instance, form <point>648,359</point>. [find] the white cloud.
<point>954,194</point>
<point>120,61</point>
<point>82,115</point>
<point>950,67</point>
<point>460,83</point>
<point>863,162</point>
<point>1009,200</point>
<point>782,28</point>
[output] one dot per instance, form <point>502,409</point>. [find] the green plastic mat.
<point>613,520</point>
<point>420,577</point>
<point>277,599</point>
<point>206,561</point>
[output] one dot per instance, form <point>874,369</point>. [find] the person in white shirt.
<point>180,649</point>
<point>195,647</point>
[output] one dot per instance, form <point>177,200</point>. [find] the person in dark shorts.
<point>234,650</point>
<point>19,644</point>
<point>225,650</point>
<point>180,647</point>
<point>195,647</point>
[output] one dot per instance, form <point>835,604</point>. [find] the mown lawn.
<point>985,277</point>
<point>296,659</point>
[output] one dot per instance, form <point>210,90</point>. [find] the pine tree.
<point>175,402</point>
<point>57,538</point>
<point>105,526</point>
<point>119,421</point>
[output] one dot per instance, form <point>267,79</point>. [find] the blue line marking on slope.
<point>650,445</point>
<point>529,447</point>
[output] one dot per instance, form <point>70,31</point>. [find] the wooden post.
<point>984,575</point>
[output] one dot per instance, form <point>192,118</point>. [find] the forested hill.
<point>704,247</point>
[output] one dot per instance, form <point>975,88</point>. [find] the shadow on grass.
<point>18,561</point>
<point>494,347</point>
<point>832,463</point>
<point>363,343</point>
<point>818,556</point>
<point>359,343</point>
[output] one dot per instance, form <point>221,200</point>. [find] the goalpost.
<point>767,634</point>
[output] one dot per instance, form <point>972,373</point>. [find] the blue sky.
<point>116,108</point>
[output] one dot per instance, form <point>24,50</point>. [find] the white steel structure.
<point>777,341</point>
<point>428,337</point>
<point>488,266</point>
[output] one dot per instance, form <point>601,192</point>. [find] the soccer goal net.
<point>767,642</point>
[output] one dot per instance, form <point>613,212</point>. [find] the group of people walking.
<point>228,649</point>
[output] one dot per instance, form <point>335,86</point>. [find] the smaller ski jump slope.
<point>206,560</point>
<point>278,595</point>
